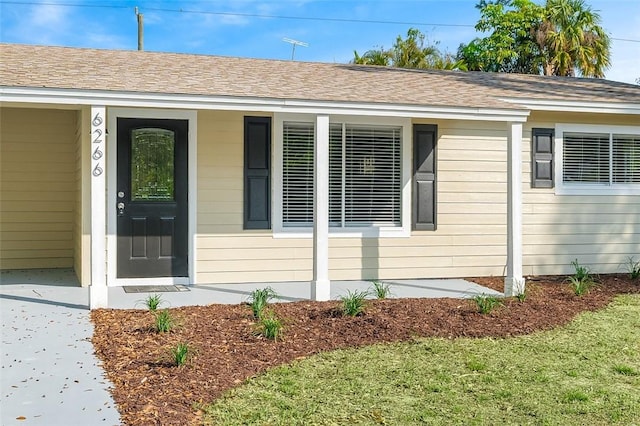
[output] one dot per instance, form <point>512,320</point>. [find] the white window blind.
<point>586,158</point>
<point>364,175</point>
<point>297,174</point>
<point>601,158</point>
<point>626,158</point>
<point>372,176</point>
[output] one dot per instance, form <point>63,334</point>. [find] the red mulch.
<point>149,390</point>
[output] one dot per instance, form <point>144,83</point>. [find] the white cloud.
<point>48,15</point>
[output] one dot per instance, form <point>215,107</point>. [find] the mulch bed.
<point>149,390</point>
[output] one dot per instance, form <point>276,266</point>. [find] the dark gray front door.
<point>152,198</point>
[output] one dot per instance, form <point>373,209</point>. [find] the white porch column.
<point>320,286</point>
<point>514,282</point>
<point>98,294</point>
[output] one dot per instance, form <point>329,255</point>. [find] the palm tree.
<point>373,57</point>
<point>571,40</point>
<point>412,52</point>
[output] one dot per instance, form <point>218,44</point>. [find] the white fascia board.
<point>229,103</point>
<point>576,106</point>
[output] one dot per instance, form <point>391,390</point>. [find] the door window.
<point>152,165</point>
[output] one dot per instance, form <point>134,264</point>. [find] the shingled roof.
<point>172,73</point>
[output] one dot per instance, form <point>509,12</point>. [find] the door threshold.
<point>155,288</point>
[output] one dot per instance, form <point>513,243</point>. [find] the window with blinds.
<point>626,158</point>
<point>600,158</point>
<point>586,158</point>
<point>297,174</point>
<point>364,175</point>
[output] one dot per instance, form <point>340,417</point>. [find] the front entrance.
<point>152,198</point>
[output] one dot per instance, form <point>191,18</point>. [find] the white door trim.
<point>112,166</point>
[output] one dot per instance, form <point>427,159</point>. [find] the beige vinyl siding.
<point>225,252</point>
<point>38,187</point>
<point>77,205</point>
<point>82,205</point>
<point>600,231</point>
<point>470,240</point>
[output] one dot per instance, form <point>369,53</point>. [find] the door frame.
<point>112,166</point>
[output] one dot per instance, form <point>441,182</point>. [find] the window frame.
<point>404,230</point>
<point>563,188</point>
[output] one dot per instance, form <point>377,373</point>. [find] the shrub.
<point>164,321</point>
<point>180,353</point>
<point>270,325</point>
<point>486,303</point>
<point>259,299</point>
<point>353,303</point>
<point>381,290</point>
<point>633,268</point>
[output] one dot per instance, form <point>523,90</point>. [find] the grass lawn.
<point>587,372</point>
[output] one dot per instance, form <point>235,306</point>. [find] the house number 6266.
<point>96,136</point>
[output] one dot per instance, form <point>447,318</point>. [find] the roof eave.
<point>575,106</point>
<point>57,96</point>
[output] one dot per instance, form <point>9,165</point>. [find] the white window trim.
<point>366,232</point>
<point>562,188</point>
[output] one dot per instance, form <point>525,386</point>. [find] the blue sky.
<point>230,31</point>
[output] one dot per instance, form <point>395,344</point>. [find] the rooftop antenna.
<point>294,43</point>
<point>140,29</point>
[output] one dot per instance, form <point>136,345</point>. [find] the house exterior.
<point>140,167</point>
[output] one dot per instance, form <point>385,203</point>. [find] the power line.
<point>265,16</point>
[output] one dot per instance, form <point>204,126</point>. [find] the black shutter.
<point>424,177</point>
<point>542,158</point>
<point>257,171</point>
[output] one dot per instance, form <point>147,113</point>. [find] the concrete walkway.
<point>49,374</point>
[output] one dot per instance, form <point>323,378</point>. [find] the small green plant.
<point>270,326</point>
<point>475,365</point>
<point>381,290</point>
<point>180,353</point>
<point>259,299</point>
<point>152,302</point>
<point>633,268</point>
<point>625,370</point>
<point>575,396</point>
<point>521,292</point>
<point>581,281</point>
<point>164,321</point>
<point>486,303</point>
<point>583,273</point>
<point>353,303</point>
<point>580,287</point>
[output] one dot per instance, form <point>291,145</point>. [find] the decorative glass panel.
<point>152,165</point>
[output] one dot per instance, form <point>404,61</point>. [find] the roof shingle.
<point>173,73</point>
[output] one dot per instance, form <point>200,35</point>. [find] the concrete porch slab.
<point>205,294</point>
